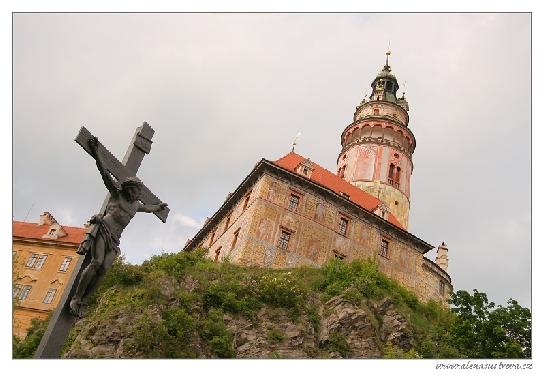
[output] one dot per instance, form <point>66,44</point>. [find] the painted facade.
<point>292,212</point>
<point>44,256</point>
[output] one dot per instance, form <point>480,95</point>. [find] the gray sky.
<point>223,91</point>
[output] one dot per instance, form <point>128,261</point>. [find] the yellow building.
<point>44,256</point>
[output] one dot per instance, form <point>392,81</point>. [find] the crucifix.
<point>127,195</point>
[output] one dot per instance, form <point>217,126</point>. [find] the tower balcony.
<point>395,184</point>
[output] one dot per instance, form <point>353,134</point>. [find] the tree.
<point>482,330</point>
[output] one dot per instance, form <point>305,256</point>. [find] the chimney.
<point>442,256</point>
<point>47,218</point>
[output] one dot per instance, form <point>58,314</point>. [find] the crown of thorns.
<point>131,181</point>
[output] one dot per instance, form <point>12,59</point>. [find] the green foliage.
<point>231,296</point>
<point>393,352</point>
<point>179,324</point>
<point>482,331</point>
<point>176,264</point>
<point>176,304</point>
<point>275,336</point>
<point>215,333</point>
<point>337,343</point>
<point>363,276</point>
<point>281,289</point>
<point>25,348</point>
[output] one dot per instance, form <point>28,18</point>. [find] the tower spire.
<point>388,53</point>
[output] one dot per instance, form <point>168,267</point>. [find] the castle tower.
<point>377,146</point>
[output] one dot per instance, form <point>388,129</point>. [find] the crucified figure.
<point>103,243</point>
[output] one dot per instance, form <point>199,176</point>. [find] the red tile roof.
<point>335,183</point>
<point>31,230</point>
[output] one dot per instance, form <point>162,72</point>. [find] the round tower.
<point>377,146</point>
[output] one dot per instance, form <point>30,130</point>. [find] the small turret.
<point>442,256</point>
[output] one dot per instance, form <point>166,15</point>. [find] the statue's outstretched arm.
<point>152,208</point>
<point>108,181</point>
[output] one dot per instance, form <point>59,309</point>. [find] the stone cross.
<point>62,320</point>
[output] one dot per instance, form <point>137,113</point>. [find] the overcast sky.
<point>223,91</point>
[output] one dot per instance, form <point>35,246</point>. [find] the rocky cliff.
<point>182,306</point>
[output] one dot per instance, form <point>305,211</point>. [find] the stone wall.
<point>315,237</point>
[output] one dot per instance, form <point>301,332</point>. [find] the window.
<point>49,296</point>
<point>212,238</point>
<point>235,239</point>
<point>246,201</point>
<point>441,288</point>
<point>35,261</point>
<point>375,112</point>
<point>341,171</point>
<point>217,256</point>
<point>65,264</point>
<point>343,226</point>
<point>384,245</point>
<point>52,232</point>
<point>391,172</point>
<point>294,202</point>
<point>306,170</point>
<point>397,175</point>
<point>284,240</point>
<point>21,291</point>
<point>31,260</point>
<point>40,262</point>
<point>227,222</point>
<point>16,289</point>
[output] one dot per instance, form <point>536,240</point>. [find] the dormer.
<point>305,168</point>
<point>54,232</point>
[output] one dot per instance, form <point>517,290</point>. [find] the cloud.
<point>187,221</point>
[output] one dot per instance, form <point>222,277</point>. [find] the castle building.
<point>44,256</point>
<point>292,212</point>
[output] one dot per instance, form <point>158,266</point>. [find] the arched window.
<point>397,175</point>
<point>391,172</point>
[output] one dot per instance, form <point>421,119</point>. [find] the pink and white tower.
<point>377,147</point>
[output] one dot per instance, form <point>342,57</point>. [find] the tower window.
<point>384,247</point>
<point>341,171</point>
<point>212,238</point>
<point>343,226</point>
<point>441,288</point>
<point>284,240</point>
<point>375,112</point>
<point>396,179</point>
<point>294,202</point>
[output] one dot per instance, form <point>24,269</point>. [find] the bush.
<point>179,324</point>
<point>337,343</point>
<point>281,290</point>
<point>214,332</point>
<point>25,348</point>
<point>176,264</point>
<point>231,296</point>
<point>275,336</point>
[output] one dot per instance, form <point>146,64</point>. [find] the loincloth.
<point>111,240</point>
